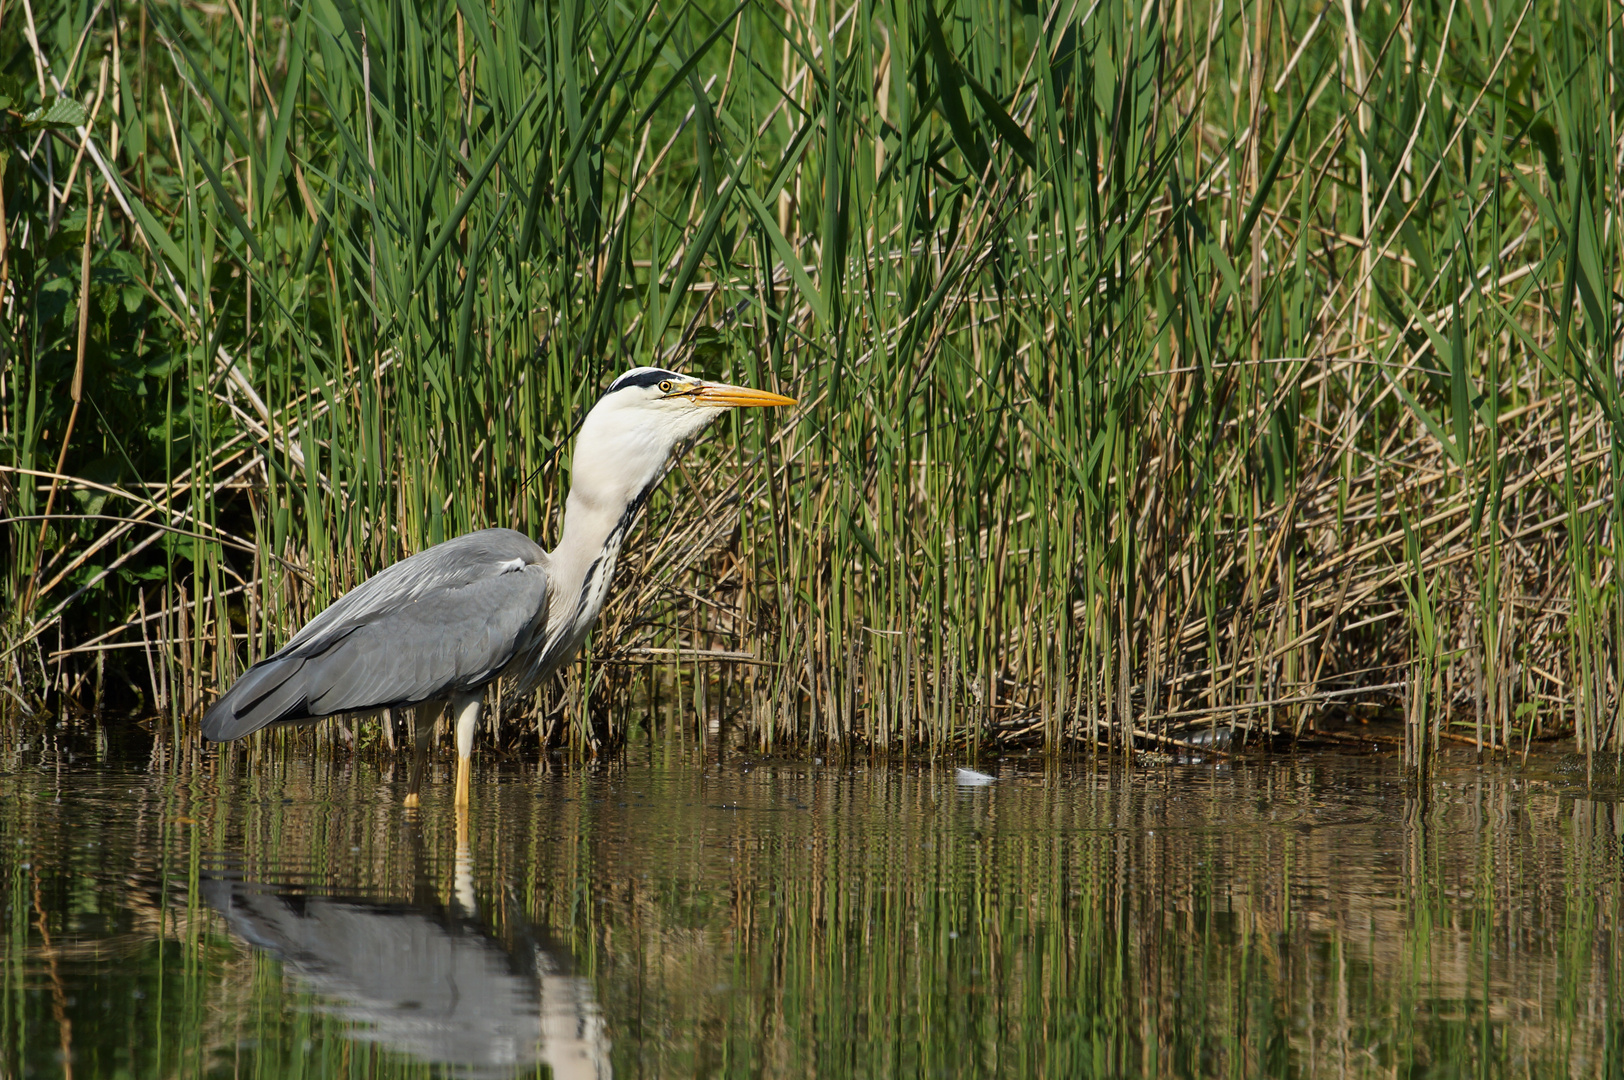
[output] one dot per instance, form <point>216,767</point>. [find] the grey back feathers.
<point>449,619</point>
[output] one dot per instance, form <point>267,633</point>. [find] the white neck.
<point>620,456</point>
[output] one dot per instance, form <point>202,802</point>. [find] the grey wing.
<point>448,619</point>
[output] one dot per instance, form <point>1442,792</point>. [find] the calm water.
<point>671,917</point>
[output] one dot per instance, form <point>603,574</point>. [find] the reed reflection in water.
<point>675,916</point>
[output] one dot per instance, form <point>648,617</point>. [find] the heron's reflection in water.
<point>426,979</point>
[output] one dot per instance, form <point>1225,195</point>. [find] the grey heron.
<point>440,626</point>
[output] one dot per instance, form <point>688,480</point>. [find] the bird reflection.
<point>426,979</point>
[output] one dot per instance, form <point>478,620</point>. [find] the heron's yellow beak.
<point>736,396</point>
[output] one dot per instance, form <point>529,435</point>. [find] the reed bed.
<point>1162,366</point>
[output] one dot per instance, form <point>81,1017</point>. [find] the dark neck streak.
<point>611,543</point>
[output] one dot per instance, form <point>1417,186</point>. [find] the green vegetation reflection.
<point>772,919</point>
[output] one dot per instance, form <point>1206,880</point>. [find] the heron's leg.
<point>423,718</point>
<point>463,878</point>
<point>466,708</point>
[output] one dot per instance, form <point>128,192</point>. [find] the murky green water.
<point>1307,917</point>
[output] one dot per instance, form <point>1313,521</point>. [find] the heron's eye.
<point>665,387</point>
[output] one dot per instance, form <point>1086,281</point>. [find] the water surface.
<point>669,916</point>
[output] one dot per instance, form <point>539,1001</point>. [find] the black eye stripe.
<point>644,378</point>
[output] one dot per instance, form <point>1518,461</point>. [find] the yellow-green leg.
<point>466,707</point>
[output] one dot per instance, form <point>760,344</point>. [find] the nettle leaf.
<point>91,501</point>
<point>62,112</point>
<point>86,574</point>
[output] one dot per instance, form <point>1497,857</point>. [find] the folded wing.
<point>449,619</point>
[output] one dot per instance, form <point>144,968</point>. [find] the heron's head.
<point>630,433</point>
